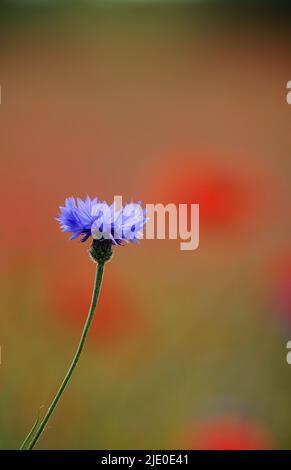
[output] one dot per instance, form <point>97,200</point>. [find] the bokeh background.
<point>163,102</point>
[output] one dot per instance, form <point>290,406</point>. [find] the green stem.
<point>97,285</point>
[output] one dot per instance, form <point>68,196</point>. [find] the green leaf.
<point>30,434</point>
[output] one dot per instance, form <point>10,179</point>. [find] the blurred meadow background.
<point>179,102</point>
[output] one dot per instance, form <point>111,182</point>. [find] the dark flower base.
<point>101,251</point>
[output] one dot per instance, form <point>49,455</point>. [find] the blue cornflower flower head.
<point>77,218</point>
<point>118,225</point>
<point>105,223</point>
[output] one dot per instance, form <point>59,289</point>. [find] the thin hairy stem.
<point>96,291</point>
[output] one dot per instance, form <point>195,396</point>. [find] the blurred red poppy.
<point>230,433</point>
<point>117,316</point>
<point>231,198</point>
